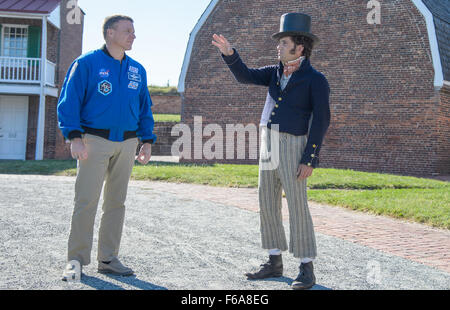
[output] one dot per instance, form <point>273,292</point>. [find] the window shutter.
<point>34,42</point>
<point>1,36</point>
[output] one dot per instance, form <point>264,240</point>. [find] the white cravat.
<point>270,103</point>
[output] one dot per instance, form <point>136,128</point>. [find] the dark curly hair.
<point>306,42</point>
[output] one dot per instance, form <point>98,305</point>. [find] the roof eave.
<point>15,14</point>
<point>435,55</point>
<point>192,36</point>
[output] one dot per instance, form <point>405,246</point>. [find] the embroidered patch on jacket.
<point>134,77</point>
<point>133,69</point>
<point>104,73</point>
<point>105,87</point>
<point>133,85</point>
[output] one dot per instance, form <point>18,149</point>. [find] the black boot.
<point>272,269</point>
<point>305,278</point>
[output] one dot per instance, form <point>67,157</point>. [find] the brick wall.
<point>166,104</point>
<point>51,122</point>
<point>33,106</point>
<point>442,158</point>
<point>164,142</point>
<point>384,107</point>
<point>71,42</point>
<point>70,48</point>
<point>50,134</point>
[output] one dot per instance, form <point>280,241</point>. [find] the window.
<point>15,41</point>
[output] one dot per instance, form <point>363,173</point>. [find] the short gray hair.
<point>110,21</point>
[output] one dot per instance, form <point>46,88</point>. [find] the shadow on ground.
<point>290,280</point>
<point>100,284</point>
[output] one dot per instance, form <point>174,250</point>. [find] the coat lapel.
<point>297,77</point>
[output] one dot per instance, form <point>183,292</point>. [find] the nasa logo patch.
<point>105,87</point>
<point>104,73</point>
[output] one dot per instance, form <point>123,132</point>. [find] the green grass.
<point>214,174</point>
<point>421,200</point>
<point>44,167</point>
<point>429,206</point>
<point>167,118</point>
<point>163,90</point>
<point>351,179</point>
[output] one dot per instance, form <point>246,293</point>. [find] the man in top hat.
<point>294,121</point>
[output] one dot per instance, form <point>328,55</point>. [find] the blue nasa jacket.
<point>306,94</point>
<point>106,97</point>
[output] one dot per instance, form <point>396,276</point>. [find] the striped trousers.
<point>283,175</point>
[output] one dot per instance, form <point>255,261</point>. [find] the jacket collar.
<point>297,76</point>
<point>105,50</point>
<point>304,67</point>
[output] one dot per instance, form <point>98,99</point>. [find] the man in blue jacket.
<point>295,118</point>
<point>104,110</point>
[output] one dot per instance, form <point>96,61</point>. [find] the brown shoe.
<point>272,269</point>
<point>115,267</point>
<point>305,278</point>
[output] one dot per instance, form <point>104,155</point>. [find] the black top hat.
<point>295,24</point>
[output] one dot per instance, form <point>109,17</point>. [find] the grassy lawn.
<point>163,90</point>
<point>420,200</point>
<point>44,167</point>
<point>429,206</point>
<point>167,118</point>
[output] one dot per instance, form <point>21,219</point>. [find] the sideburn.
<point>292,51</point>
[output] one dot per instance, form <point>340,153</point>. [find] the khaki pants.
<point>302,242</point>
<point>114,162</point>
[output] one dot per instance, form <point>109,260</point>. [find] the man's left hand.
<point>145,153</point>
<point>304,171</point>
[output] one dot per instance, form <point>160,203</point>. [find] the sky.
<point>162,32</point>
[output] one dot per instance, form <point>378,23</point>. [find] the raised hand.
<point>222,44</point>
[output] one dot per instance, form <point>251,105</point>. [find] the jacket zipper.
<point>120,101</point>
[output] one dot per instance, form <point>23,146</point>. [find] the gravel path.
<point>176,243</point>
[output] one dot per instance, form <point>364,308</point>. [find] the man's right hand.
<point>78,149</point>
<point>223,45</point>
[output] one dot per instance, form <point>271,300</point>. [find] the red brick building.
<point>39,41</point>
<point>390,81</point>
